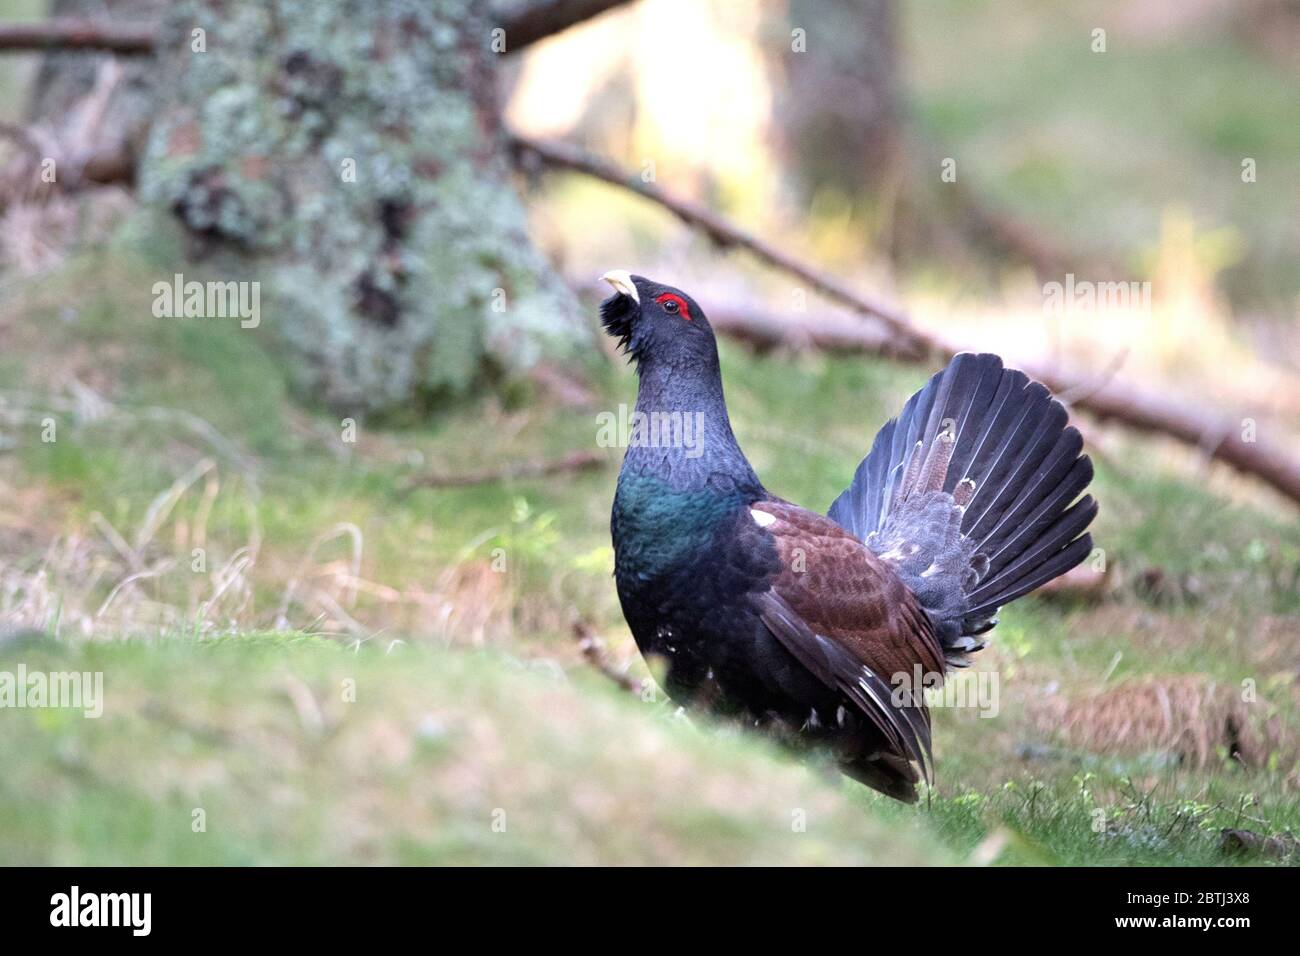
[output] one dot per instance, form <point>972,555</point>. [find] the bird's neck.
<point>681,433</point>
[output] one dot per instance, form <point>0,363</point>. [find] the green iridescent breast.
<point>658,529</point>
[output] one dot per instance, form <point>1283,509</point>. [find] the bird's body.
<point>818,625</point>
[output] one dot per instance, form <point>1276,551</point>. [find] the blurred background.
<point>345,563</point>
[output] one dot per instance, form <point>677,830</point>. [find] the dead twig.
<point>1167,415</point>
<point>765,330</point>
<point>727,235</point>
<point>525,23</point>
<point>593,649</point>
<point>88,35</point>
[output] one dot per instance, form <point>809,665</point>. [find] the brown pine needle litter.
<point>1192,716</point>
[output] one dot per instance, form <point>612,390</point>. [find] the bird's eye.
<point>674,305</point>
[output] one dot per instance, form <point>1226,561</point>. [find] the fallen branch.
<point>524,23</point>
<point>1219,436</point>
<point>765,330</point>
<point>577,461</point>
<point>726,235</point>
<point>87,35</point>
<point>593,649</point>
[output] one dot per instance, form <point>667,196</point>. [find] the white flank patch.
<point>762,518</point>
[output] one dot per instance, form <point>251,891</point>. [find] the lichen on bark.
<point>349,157</point>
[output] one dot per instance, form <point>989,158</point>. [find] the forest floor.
<point>306,661</point>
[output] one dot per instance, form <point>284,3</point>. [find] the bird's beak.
<point>621,280</point>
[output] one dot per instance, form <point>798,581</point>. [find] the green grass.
<point>288,750</point>
<point>471,693</point>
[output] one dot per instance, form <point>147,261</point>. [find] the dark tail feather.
<point>971,494</point>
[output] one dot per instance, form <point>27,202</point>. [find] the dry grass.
<point>168,576</point>
<point>1269,643</point>
<point>170,572</point>
<point>1200,720</point>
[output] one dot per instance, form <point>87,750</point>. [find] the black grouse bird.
<point>816,626</point>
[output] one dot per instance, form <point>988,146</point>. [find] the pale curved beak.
<point>621,280</point>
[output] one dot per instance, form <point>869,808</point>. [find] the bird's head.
<point>656,322</point>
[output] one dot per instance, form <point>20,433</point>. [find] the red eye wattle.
<point>675,305</point>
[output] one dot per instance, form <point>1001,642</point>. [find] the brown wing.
<point>845,592</point>
<point>848,618</point>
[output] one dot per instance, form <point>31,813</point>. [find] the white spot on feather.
<point>762,518</point>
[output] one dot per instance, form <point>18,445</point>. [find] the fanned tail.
<point>972,494</point>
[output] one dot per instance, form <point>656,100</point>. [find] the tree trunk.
<point>837,103</point>
<point>349,158</point>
